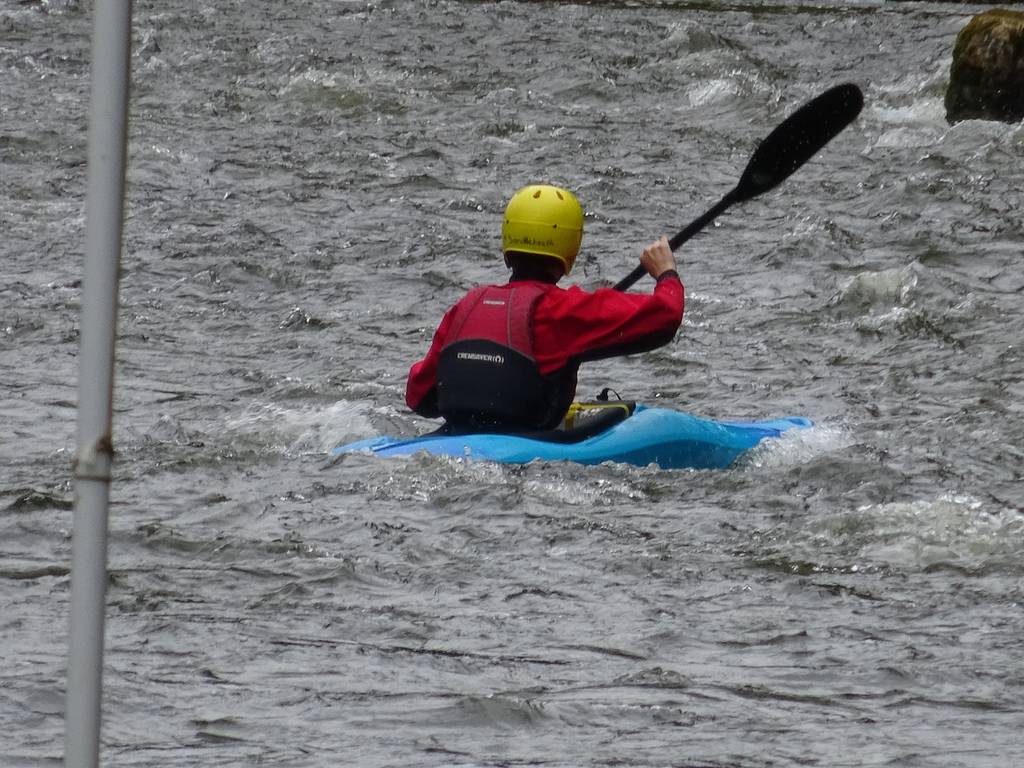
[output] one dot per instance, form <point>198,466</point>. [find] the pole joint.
<point>92,462</point>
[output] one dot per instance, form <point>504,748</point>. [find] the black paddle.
<point>795,141</point>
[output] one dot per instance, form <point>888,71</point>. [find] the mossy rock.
<point>986,79</point>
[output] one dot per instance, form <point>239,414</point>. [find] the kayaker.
<point>505,357</point>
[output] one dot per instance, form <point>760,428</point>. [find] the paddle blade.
<point>798,138</point>
<point>795,141</point>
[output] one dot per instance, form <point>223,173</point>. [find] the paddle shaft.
<point>681,237</point>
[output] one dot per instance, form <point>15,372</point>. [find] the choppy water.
<point>311,184</point>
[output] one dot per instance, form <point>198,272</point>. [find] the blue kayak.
<point>667,438</point>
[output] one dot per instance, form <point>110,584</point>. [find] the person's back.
<point>505,357</point>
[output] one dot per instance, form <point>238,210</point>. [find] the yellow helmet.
<point>546,221</point>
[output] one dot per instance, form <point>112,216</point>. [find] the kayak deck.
<point>670,439</point>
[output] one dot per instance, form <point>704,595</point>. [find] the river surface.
<point>310,186</point>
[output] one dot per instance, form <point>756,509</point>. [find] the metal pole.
<point>108,123</point>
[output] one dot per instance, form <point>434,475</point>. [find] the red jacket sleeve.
<point>421,387</point>
<point>574,325</point>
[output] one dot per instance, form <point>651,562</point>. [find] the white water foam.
<point>953,530</point>
<point>296,431</point>
<point>795,447</point>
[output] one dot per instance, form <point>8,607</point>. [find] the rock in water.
<point>986,79</point>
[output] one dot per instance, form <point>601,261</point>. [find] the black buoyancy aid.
<point>487,375</point>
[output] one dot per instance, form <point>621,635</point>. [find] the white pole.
<point>108,122</point>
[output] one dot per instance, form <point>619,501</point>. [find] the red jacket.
<point>572,326</point>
